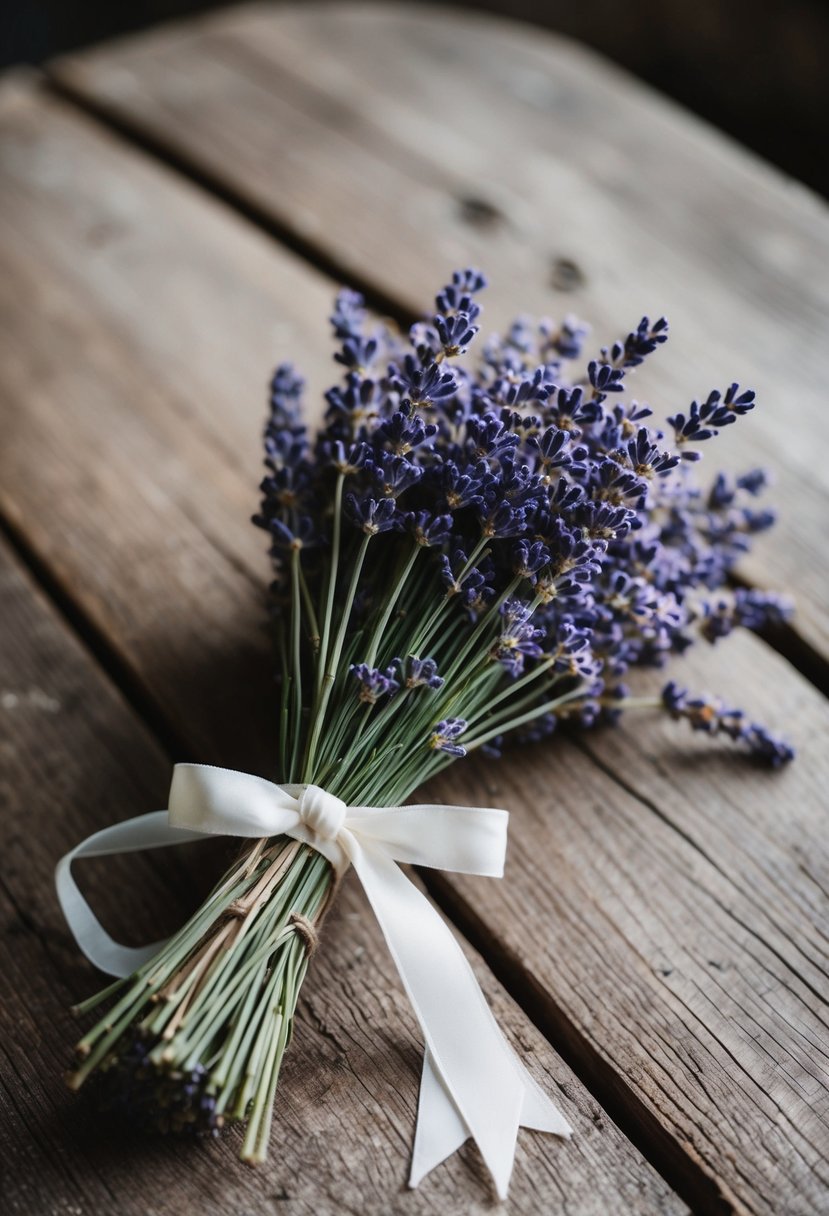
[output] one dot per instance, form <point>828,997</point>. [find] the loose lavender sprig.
<point>710,715</point>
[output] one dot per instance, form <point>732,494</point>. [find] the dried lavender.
<point>466,553</point>
<point>514,521</point>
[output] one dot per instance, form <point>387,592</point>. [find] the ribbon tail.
<point>474,1084</point>
<point>440,1129</point>
<point>152,831</point>
<point>538,1112</point>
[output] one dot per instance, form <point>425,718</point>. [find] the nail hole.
<point>478,212</point>
<point>566,275</point>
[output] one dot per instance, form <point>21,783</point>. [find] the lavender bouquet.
<point>468,554</point>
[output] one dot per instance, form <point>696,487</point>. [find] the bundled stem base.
<point>196,1037</point>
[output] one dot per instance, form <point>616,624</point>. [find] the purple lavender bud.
<point>404,431</point>
<point>646,459</point>
<point>349,314</point>
<point>568,340</point>
<point>604,378</point>
<point>487,438</point>
<point>299,535</point>
<point>371,515</point>
<point>708,714</point>
<point>455,332</point>
<point>423,385</point>
<point>392,475</point>
<point>747,608</point>
<point>357,353</point>
<point>502,520</point>
<point>443,737</point>
<point>766,747</point>
<point>430,531</point>
<point>374,684</point>
<point>518,639</point>
<point>419,673</point>
<point>529,557</point>
<point>465,488</point>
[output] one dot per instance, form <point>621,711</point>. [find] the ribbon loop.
<point>473,1083</point>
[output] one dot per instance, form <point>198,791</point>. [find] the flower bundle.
<point>467,555</point>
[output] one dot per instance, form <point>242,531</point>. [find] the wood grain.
<point>74,758</point>
<point>657,868</point>
<point>164,409</point>
<point>115,434</point>
<point>399,142</point>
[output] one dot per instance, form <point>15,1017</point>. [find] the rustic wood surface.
<point>573,185</point>
<point>664,917</point>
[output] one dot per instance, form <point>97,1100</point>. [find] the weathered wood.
<point>74,758</point>
<point>400,142</point>
<point>143,419</point>
<point>606,1005</point>
<point>693,888</point>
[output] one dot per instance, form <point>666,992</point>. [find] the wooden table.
<point>176,209</point>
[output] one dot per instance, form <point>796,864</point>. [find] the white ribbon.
<point>473,1083</point>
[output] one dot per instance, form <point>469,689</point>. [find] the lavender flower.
<point>372,515</point>
<point>374,684</point>
<point>518,638</point>
<point>443,737</point>
<point>419,673</point>
<point>743,607</point>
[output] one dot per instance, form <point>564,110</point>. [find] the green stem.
<point>522,719</point>
<point>425,632</point>
<point>332,580</point>
<point>391,602</point>
<point>513,686</point>
<point>296,636</point>
<point>331,672</point>
<point>308,604</point>
<point>480,629</point>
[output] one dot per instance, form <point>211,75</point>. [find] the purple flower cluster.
<point>410,672</point>
<point>445,736</point>
<point>131,1088</point>
<point>542,492</point>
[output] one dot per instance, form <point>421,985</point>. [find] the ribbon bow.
<point>473,1083</point>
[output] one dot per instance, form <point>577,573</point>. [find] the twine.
<point>305,929</point>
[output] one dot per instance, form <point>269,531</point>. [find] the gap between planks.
<point>94,641</point>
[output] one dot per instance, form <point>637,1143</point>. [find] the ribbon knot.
<point>322,812</point>
<point>473,1083</point>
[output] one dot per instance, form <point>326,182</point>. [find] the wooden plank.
<point>94,372</point>
<point>694,890</point>
<point>401,142</point>
<point>155,406</point>
<point>349,1090</point>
